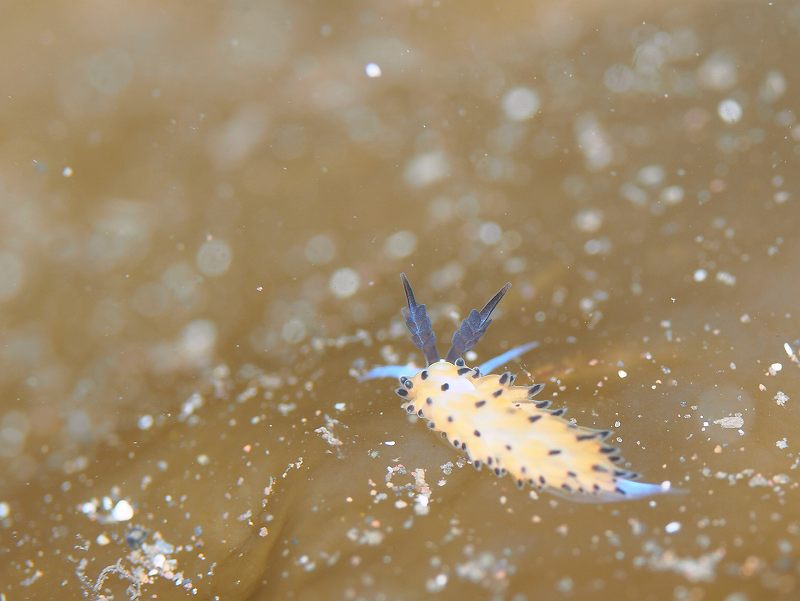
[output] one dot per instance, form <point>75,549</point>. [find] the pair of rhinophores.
<point>501,425</point>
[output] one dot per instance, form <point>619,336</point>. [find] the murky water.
<point>205,211</point>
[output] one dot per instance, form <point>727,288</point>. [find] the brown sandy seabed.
<point>177,424</point>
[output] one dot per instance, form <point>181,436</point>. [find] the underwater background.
<point>204,212</point>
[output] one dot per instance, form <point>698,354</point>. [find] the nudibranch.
<point>501,425</point>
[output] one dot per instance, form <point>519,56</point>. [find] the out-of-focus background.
<point>204,210</point>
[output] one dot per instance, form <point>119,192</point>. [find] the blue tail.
<point>639,490</point>
<point>631,491</point>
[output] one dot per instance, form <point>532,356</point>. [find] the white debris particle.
<point>423,497</point>
<point>594,143</point>
<point>565,585</point>
<point>426,169</point>
<point>729,111</point>
<point>782,443</point>
<point>727,278</point>
<point>247,394</point>
<point>122,511</point>
<point>286,408</point>
<point>780,197</point>
<point>651,176</point>
<point>437,583</point>
<point>67,171</point>
<point>731,422</point>
<point>389,443</point>
<point>671,195</point>
<point>488,570</point>
<point>195,345</point>
<point>340,406</point>
<point>320,250</point>
<point>622,373</point>
<point>589,220</point>
<point>371,537</point>
<point>399,469</point>
<point>490,233</point>
<point>775,368</point>
<point>344,282</point>
<point>203,459</point>
<point>700,275</point>
<point>190,405</point>
<point>145,561</point>
<point>773,87</point>
<point>597,246</point>
<point>326,432</point>
<point>718,71</point>
<point>781,398</point>
<point>701,569</point>
<point>296,466</point>
<point>5,510</point>
<point>515,265</point>
<point>373,70</point>
<point>520,103</point>
<point>400,244</point>
<point>633,193</point>
<point>757,481</point>
<point>790,351</point>
<point>214,258</point>
<point>102,539</point>
<point>672,527</point>
<point>293,331</point>
<point>35,574</point>
<point>145,422</point>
